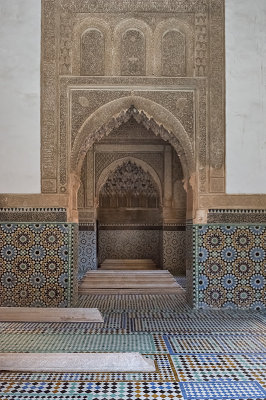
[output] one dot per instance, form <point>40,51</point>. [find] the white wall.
<point>246,96</point>
<point>20,96</point>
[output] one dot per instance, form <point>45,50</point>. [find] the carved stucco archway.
<point>115,164</point>
<point>113,114</point>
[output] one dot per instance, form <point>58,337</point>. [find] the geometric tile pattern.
<point>207,354</point>
<point>205,367</point>
<point>181,280</point>
<point>230,266</point>
<point>217,344</point>
<point>36,264</point>
<point>86,252</point>
<point>30,342</point>
<point>174,252</point>
<point>169,313</point>
<point>91,390</point>
<point>222,389</point>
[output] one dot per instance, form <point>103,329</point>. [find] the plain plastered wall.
<point>20,36</point>
<point>20,96</point>
<point>245,24</point>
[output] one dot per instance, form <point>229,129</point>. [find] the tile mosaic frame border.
<point>240,216</point>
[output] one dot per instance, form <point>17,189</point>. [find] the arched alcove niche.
<point>102,56</point>
<point>99,125</point>
<point>174,38</point>
<point>133,45</point>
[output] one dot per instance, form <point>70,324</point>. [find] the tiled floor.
<point>199,355</point>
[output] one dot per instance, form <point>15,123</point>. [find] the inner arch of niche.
<point>115,164</point>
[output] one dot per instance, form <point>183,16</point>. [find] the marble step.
<point>132,264</point>
<point>76,362</point>
<point>114,277</point>
<point>128,267</point>
<point>149,290</point>
<point>133,281</point>
<point>148,272</point>
<point>129,261</point>
<point>38,314</point>
<point>121,278</point>
<point>126,285</point>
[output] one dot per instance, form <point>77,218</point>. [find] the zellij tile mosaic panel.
<point>36,264</point>
<point>230,266</point>
<point>87,253</point>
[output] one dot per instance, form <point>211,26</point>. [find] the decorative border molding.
<point>129,227</point>
<point>33,214</point>
<point>174,228</point>
<point>32,209</point>
<point>234,211</point>
<point>87,227</point>
<point>236,216</point>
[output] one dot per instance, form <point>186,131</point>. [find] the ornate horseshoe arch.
<point>115,113</point>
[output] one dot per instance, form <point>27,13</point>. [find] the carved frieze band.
<point>49,90</point>
<point>123,6</point>
<point>216,94</point>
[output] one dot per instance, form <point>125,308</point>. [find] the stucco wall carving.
<point>201,44</point>
<point>176,106</point>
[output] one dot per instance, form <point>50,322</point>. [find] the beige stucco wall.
<point>20,94</point>
<point>246,96</point>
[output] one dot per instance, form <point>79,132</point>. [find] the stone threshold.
<point>76,362</point>
<point>38,314</point>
